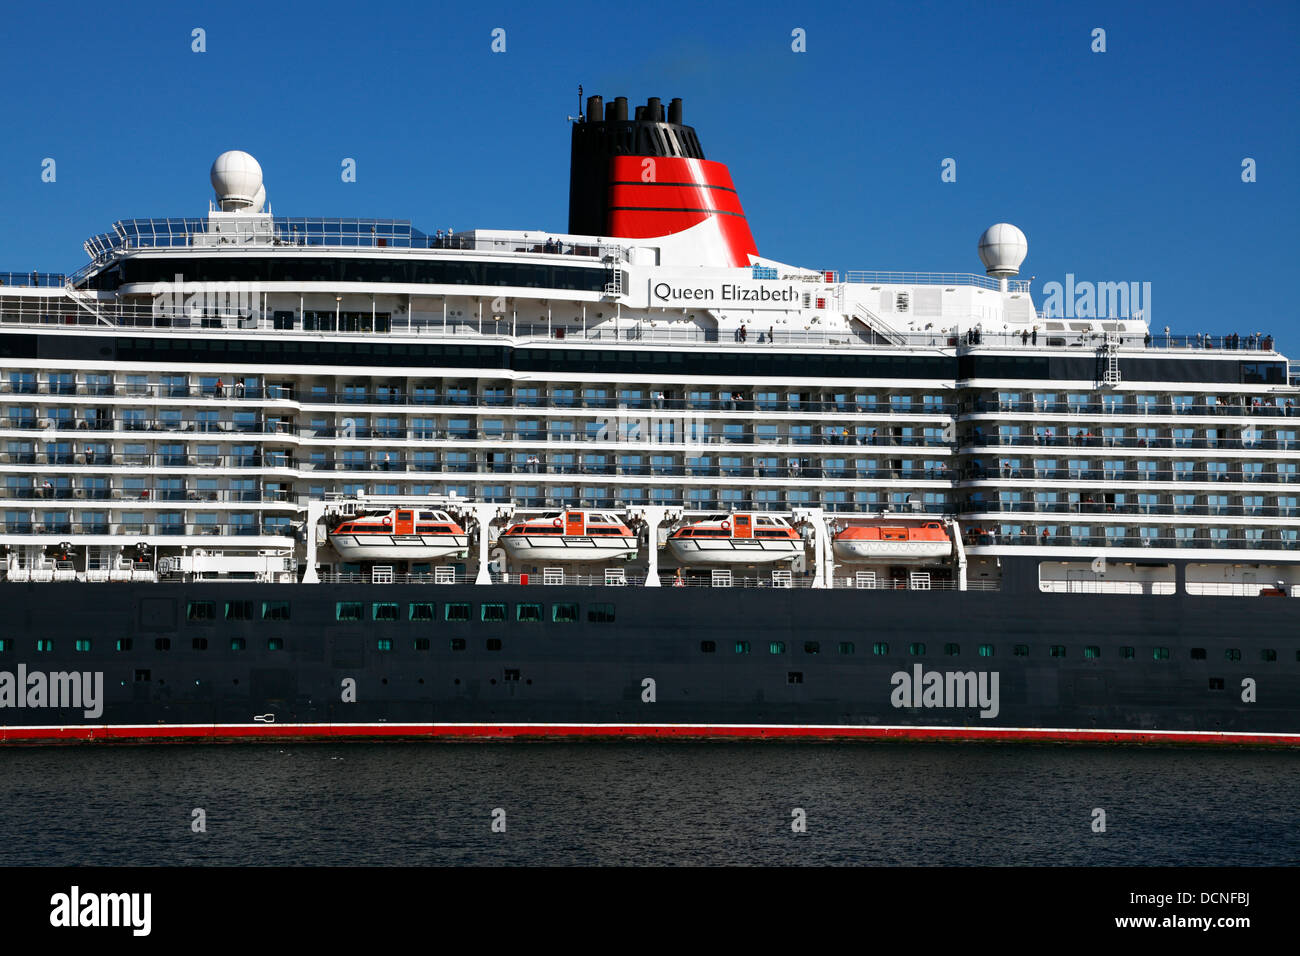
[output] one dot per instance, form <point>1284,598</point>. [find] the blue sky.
<point>1119,166</point>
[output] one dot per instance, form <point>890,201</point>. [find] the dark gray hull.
<point>808,664</point>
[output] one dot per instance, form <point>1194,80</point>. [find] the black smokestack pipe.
<point>598,139</point>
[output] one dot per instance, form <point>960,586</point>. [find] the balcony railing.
<point>133,531</point>
<point>1064,539</point>
<point>1268,406</point>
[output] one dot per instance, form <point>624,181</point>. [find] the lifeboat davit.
<point>570,536</point>
<point>884,542</point>
<point>403,534</point>
<point>736,539</point>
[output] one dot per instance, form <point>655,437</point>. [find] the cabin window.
<point>1198,653</point>
<point>1091,652</point>
<point>420,612</point>
<point>1232,654</point>
<point>457,643</point>
<point>124,644</point>
<point>916,649</point>
<point>347,611</point>
<point>952,650</point>
<point>794,677</point>
<point>600,613</point>
<point>159,644</point>
<point>275,610</point>
<point>742,647</point>
<point>455,612</point>
<point>776,647</point>
<point>493,644</point>
<point>275,643</point>
<point>199,644</point>
<point>1056,650</point>
<point>81,645</point>
<point>6,644</point>
<point>1160,653</point>
<point>1128,653</point>
<point>384,644</point>
<point>1216,683</point>
<point>1268,655</point>
<point>708,647</point>
<point>383,612</point>
<point>200,611</point>
<point>1020,650</point>
<point>510,674</point>
<point>986,650</point>
<point>421,643</point>
<point>141,676</point>
<point>239,610</point>
<point>880,648</point>
<point>812,647</point>
<point>528,612</point>
<point>564,613</point>
<point>492,613</point>
<point>847,647</point>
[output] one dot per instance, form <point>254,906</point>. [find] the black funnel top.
<point>597,138</point>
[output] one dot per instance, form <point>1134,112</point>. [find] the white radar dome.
<point>1002,248</point>
<point>237,179</point>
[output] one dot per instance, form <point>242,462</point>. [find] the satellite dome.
<point>237,179</point>
<point>1002,248</point>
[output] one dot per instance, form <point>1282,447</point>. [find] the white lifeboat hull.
<point>857,550</point>
<point>553,547</point>
<point>697,551</point>
<point>399,547</point>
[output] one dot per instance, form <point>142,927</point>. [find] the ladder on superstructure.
<point>1110,370</point>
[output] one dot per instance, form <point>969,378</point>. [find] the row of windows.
<point>201,611</point>
<point>602,613</point>
<point>490,612</point>
<point>46,645</point>
<point>918,649</point>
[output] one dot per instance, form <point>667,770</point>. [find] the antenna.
<point>579,118</point>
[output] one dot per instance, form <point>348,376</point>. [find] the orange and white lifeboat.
<point>403,534</point>
<point>886,542</point>
<point>570,536</point>
<point>736,539</point>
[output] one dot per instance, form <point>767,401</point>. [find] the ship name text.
<point>755,295</point>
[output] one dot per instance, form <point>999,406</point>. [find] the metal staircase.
<point>878,325</point>
<point>82,299</point>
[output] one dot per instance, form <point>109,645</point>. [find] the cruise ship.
<point>270,478</point>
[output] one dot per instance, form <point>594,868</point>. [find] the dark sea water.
<point>647,803</point>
